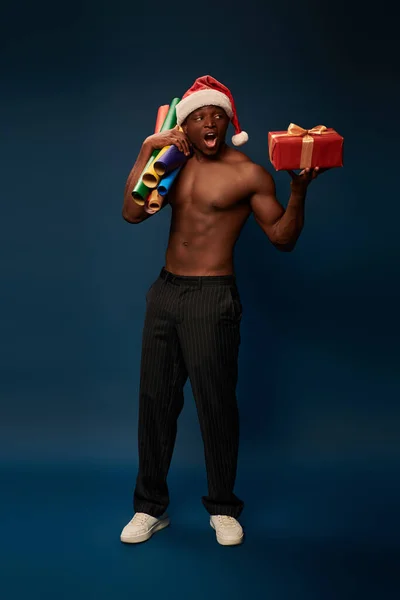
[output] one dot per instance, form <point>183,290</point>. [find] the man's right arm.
<point>132,212</point>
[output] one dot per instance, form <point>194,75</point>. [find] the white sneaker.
<point>228,530</point>
<point>142,527</point>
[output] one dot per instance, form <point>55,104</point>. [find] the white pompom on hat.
<point>207,91</point>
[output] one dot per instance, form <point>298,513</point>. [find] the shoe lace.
<point>227,521</point>
<point>140,518</point>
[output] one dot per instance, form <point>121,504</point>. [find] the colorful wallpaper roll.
<point>161,115</point>
<point>153,202</point>
<point>140,192</point>
<point>169,161</point>
<point>167,181</point>
<point>150,176</point>
<point>170,119</point>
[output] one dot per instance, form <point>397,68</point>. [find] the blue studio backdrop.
<point>319,363</point>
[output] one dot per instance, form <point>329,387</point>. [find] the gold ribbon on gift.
<point>308,140</point>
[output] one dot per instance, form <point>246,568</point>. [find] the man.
<point>194,310</point>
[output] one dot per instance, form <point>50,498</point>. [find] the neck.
<point>201,157</point>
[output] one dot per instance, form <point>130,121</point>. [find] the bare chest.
<point>210,188</point>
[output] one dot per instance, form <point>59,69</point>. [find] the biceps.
<point>267,212</point>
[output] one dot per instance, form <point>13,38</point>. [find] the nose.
<point>209,121</point>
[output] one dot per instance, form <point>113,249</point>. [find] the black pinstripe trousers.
<point>191,329</point>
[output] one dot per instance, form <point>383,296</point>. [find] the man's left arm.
<point>283,227</point>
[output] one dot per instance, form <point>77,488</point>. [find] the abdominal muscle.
<point>202,244</point>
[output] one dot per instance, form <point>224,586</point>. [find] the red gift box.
<point>299,148</point>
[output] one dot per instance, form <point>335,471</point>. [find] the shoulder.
<point>236,157</point>
<point>257,176</point>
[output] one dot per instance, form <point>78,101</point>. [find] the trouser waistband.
<point>197,280</point>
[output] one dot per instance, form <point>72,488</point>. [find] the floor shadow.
<point>61,530</point>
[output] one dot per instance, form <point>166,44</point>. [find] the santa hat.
<point>208,91</point>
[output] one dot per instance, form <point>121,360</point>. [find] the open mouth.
<point>210,140</point>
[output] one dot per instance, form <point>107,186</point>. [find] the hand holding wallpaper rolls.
<point>162,167</point>
<point>141,191</point>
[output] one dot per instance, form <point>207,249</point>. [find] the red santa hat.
<point>207,91</point>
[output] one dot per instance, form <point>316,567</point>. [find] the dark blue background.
<point>319,364</point>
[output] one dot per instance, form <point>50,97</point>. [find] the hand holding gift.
<point>301,181</point>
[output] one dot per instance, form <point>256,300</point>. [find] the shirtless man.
<point>194,310</point>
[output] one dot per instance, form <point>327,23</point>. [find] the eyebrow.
<point>202,108</point>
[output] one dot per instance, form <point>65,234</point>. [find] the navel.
<point>185,243</point>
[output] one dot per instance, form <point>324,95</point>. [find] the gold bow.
<point>308,141</point>
<point>294,129</point>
